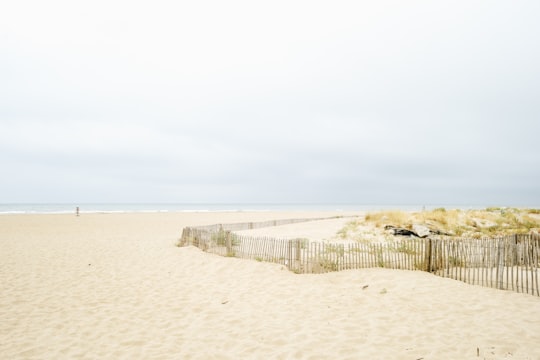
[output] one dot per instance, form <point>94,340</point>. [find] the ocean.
<point>66,208</point>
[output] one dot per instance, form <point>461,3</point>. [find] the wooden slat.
<point>509,262</point>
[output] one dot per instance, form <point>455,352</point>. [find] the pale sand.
<point>321,230</point>
<point>114,286</point>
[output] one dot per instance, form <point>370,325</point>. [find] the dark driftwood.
<point>407,232</point>
<point>402,231</point>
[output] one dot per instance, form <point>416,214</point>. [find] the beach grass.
<point>489,222</point>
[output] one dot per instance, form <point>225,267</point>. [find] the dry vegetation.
<point>490,222</point>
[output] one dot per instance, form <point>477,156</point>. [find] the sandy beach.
<point>115,286</point>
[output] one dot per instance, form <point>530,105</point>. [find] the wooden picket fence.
<point>258,224</point>
<point>509,263</point>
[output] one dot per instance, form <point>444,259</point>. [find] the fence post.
<point>500,264</point>
<point>183,239</point>
<point>290,255</point>
<point>299,265</point>
<point>515,259</point>
<point>193,239</point>
<point>228,243</point>
<point>428,255</point>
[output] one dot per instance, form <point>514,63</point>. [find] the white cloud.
<point>290,101</point>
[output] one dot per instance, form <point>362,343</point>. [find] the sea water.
<point>65,208</point>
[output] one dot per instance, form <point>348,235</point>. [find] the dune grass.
<point>489,222</point>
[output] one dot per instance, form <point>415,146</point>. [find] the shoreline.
<point>90,208</point>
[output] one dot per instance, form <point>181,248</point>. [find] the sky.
<point>366,102</point>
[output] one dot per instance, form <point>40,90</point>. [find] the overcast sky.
<point>367,102</point>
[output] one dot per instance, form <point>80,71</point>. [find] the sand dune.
<point>114,286</point>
